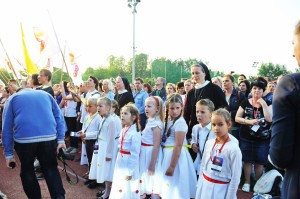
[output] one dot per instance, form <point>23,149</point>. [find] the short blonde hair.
<point>92,101</point>
<point>172,85</point>
<point>208,103</point>
<point>106,101</point>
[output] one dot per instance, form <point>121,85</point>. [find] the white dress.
<point>199,136</point>
<point>127,165</point>
<point>102,170</point>
<point>230,172</point>
<point>150,184</point>
<point>183,182</point>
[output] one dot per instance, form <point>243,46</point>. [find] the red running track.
<point>10,183</point>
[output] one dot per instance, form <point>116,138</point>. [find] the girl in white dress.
<point>221,164</point>
<point>104,150</point>
<point>151,152</point>
<point>202,132</point>
<point>178,173</point>
<point>126,173</point>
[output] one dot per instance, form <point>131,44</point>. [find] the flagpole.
<point>59,46</point>
<point>12,67</point>
<point>9,75</point>
<point>62,67</point>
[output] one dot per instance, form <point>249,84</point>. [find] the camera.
<point>63,156</point>
<point>12,165</point>
<point>263,122</point>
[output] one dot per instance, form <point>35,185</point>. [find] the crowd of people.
<point>192,139</point>
<point>175,124</point>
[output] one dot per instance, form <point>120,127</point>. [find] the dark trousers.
<point>89,146</point>
<point>71,125</point>
<point>143,119</point>
<point>46,154</point>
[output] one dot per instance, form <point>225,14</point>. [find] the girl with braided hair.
<point>126,173</point>
<point>178,173</point>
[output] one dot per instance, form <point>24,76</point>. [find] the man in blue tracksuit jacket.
<point>35,127</point>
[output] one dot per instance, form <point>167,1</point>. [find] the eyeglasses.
<point>42,75</point>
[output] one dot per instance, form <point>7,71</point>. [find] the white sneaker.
<point>36,163</point>
<point>73,151</point>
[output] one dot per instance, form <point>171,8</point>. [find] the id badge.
<point>255,128</point>
<point>96,147</point>
<point>217,164</point>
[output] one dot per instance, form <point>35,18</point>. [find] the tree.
<point>272,70</point>
<point>57,77</point>
<point>5,76</point>
<point>117,67</point>
<point>141,66</point>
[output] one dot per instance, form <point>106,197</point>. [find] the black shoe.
<point>100,193</point>
<point>102,197</point>
<point>88,182</point>
<point>37,169</point>
<point>93,185</point>
<point>40,176</point>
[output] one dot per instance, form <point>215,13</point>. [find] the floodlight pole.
<point>132,4</point>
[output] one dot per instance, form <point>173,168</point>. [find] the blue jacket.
<point>139,100</point>
<point>31,116</point>
<point>235,100</point>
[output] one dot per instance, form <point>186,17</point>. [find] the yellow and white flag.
<point>30,65</point>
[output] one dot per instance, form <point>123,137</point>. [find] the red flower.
<point>120,190</point>
<point>137,191</point>
<point>141,181</point>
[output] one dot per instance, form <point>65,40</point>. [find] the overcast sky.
<point>230,34</point>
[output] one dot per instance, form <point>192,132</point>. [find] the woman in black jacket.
<point>204,89</point>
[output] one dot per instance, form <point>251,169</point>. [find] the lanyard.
<point>100,129</point>
<point>201,152</point>
<point>123,137</point>
<point>254,112</point>
<point>167,133</point>
<point>136,94</point>
<point>87,119</point>
<point>220,150</point>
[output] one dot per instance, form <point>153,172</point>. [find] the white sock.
<point>143,196</point>
<point>154,196</point>
<point>107,189</point>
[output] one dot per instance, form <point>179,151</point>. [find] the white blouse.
<point>91,126</point>
<point>231,167</point>
<point>131,143</point>
<point>179,126</point>
<point>147,134</point>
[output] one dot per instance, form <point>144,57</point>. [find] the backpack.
<point>269,183</point>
